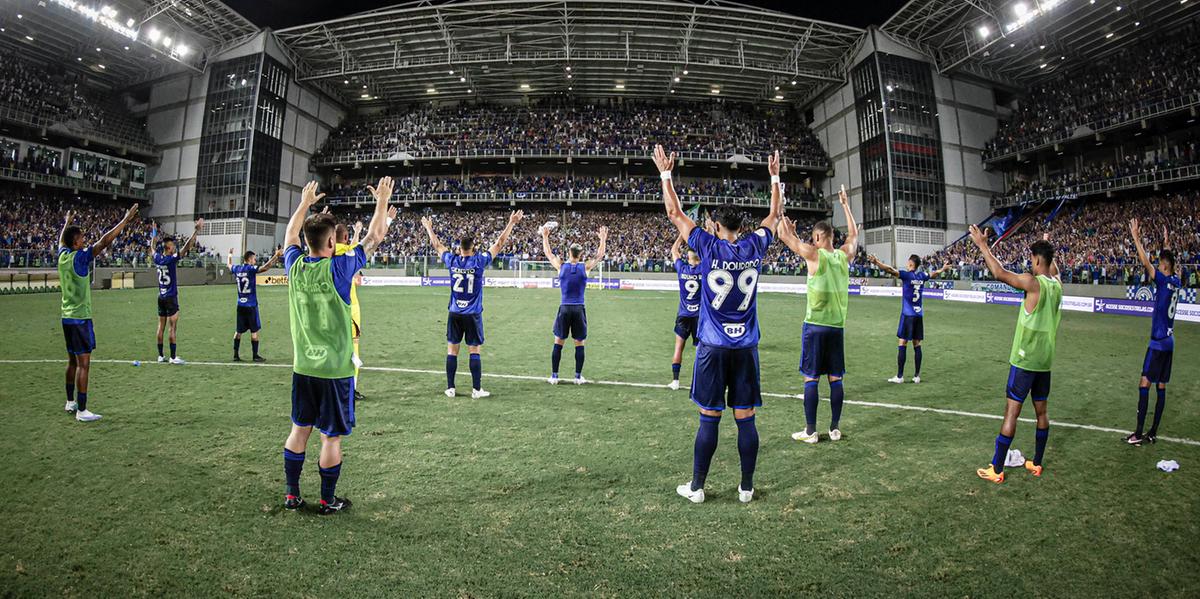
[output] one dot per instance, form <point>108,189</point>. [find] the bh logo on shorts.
<point>734,329</point>
<point>692,307</point>
<point>316,352</point>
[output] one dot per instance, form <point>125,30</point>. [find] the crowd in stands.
<point>33,164</point>
<point>577,128</point>
<point>1184,154</point>
<point>1092,240</point>
<point>1114,89</point>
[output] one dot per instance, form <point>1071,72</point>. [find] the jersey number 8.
<point>721,282</point>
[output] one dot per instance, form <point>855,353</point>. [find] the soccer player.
<point>1156,367</point>
<point>343,244</point>
<point>688,316</point>
<point>726,371</point>
<point>319,286</point>
<point>168,287</point>
<point>245,278</point>
<point>465,320</point>
<point>1032,352</point>
<point>822,339</point>
<point>912,312</point>
<point>74,268</point>
<point>572,315</point>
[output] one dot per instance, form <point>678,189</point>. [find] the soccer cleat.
<point>673,385</point>
<point>835,434</point>
<point>1151,438</point>
<point>293,502</point>
<point>1135,439</point>
<point>1033,469</point>
<point>339,504</point>
<point>71,407</point>
<point>479,394</point>
<point>177,360</point>
<point>86,416</point>
<point>685,491</point>
<point>553,380</point>
<point>896,380</point>
<point>358,396</point>
<point>237,358</point>
<point>990,474</point>
<point>450,392</point>
<point>259,359</point>
<point>579,380</point>
<point>161,360</point>
<point>745,496</point>
<point>805,437</point>
<point>916,379</point>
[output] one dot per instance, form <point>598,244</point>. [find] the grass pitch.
<point>550,491</point>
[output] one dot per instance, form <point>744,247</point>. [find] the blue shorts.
<point>726,377</point>
<point>571,322</point>
<point>822,351</point>
<point>1022,383</point>
<point>912,328</point>
<point>686,326</point>
<point>1157,366</point>
<point>81,339</point>
<point>247,319</point>
<point>468,326</point>
<point>168,306</point>
<point>327,404</point>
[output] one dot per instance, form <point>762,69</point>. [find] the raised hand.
<point>427,223</point>
<point>773,164</point>
<point>129,214</point>
<point>787,226</point>
<point>872,259</point>
<point>199,224</point>
<point>1134,228</point>
<point>664,162</point>
<point>842,197</point>
<point>68,216</point>
<point>978,236</point>
<point>603,233</point>
<point>392,212</point>
<point>516,217</point>
<point>309,196</point>
<point>358,226</point>
<point>383,190</point>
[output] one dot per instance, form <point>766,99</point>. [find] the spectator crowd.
<point>1110,172</point>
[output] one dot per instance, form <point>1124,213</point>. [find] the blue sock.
<point>747,444</point>
<point>706,446</point>
<point>329,478</point>
<point>1143,404</point>
<point>476,372</point>
<point>451,369</point>
<point>254,346</point>
<point>901,357</point>
<point>836,395</point>
<point>1159,404</point>
<point>810,406</point>
<point>1002,444</point>
<point>917,360</point>
<point>555,359</point>
<point>675,371</point>
<point>578,360</point>
<point>160,350</point>
<point>293,464</point>
<point>237,346</point>
<point>81,399</point>
<point>1040,436</point>
<point>71,392</point>
<point>172,351</point>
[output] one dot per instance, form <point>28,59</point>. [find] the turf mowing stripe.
<point>524,377</point>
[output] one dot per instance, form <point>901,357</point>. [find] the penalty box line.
<point>525,377</point>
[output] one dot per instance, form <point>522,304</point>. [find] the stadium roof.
<point>1015,42</point>
<point>513,48</point>
<point>122,42</point>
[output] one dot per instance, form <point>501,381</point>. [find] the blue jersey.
<point>689,288</point>
<point>914,287</point>
<point>1166,297</point>
<point>245,278</point>
<point>466,281</point>
<point>729,285</point>
<point>572,280</point>
<point>168,286</point>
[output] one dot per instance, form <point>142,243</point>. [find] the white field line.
<point>525,377</point>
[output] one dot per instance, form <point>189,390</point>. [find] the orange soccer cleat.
<point>1033,468</point>
<point>990,474</point>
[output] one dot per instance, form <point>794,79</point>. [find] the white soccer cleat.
<point>685,491</point>
<point>745,496</point>
<point>835,434</point>
<point>553,380</point>
<point>580,380</point>
<point>86,416</point>
<point>804,437</point>
<point>479,394</point>
<point>71,406</point>
<point>674,385</point>
<point>916,379</point>
<point>450,392</point>
<point>177,361</point>
<point>896,380</point>
<point>162,359</point>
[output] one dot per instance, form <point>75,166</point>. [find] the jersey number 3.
<point>721,282</point>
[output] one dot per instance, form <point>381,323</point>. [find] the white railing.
<point>819,205</point>
<point>353,157</point>
<point>1171,175</point>
<point>13,174</point>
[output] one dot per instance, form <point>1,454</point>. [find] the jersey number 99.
<point>721,283</point>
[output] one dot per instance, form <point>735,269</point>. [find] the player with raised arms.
<point>688,316</point>
<point>245,280</point>
<point>165,263</point>
<point>1156,366</point>
<point>726,369</point>
<point>465,321</point>
<point>344,243</point>
<point>1032,354</point>
<point>572,314</point>
<point>319,285</point>
<point>912,311</point>
<point>822,338</point>
<point>74,279</point>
